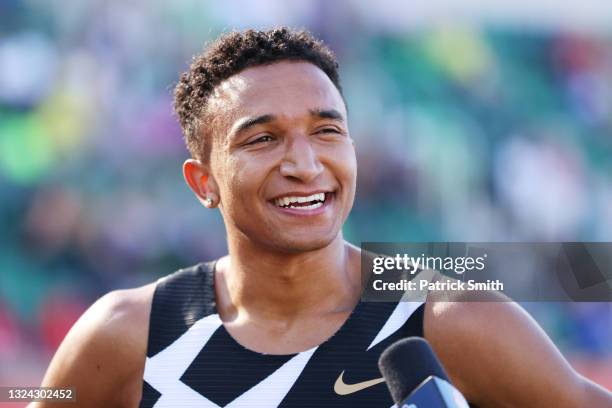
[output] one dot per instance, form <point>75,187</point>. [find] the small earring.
<point>208,201</point>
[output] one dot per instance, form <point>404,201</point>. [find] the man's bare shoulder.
<point>497,355</point>
<point>126,313</point>
<point>103,354</point>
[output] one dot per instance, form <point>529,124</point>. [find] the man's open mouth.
<point>310,202</point>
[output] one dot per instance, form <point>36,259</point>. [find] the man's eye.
<point>266,138</point>
<point>328,130</point>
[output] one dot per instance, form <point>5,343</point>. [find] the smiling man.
<point>278,321</point>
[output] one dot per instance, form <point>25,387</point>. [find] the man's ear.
<point>197,176</point>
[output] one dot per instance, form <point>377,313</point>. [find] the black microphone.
<point>415,376</point>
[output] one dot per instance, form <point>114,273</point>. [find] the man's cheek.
<point>342,155</point>
<point>349,164</point>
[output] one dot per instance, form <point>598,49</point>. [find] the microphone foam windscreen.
<point>406,364</point>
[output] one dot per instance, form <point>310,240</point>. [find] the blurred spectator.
<point>9,335</point>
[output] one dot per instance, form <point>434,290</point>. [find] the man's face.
<point>280,144</point>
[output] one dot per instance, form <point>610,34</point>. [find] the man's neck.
<point>281,287</point>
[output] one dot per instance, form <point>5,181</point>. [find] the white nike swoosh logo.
<point>341,388</point>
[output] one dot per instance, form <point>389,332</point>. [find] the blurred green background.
<point>473,122</point>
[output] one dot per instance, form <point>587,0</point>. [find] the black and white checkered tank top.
<point>193,362</point>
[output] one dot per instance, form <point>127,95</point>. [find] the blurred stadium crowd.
<point>489,133</point>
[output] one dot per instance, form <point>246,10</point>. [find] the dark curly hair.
<point>232,53</point>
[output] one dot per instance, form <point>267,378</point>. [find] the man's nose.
<point>300,160</point>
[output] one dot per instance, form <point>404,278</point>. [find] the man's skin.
<point>290,281</point>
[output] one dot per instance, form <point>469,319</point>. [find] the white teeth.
<point>286,201</point>
<point>306,207</point>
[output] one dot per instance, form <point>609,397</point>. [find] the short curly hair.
<point>232,53</point>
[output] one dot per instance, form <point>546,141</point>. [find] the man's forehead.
<point>231,88</point>
<point>278,86</point>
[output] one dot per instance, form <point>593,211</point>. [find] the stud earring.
<point>208,201</point>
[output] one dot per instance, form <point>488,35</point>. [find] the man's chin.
<point>296,246</point>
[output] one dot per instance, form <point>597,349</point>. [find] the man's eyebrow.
<point>250,122</point>
<point>327,114</point>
